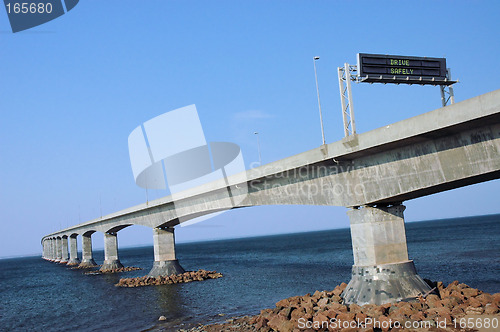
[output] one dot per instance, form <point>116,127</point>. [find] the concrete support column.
<point>54,249</point>
<point>87,260</point>
<point>58,250</point>
<point>53,253</point>
<point>73,251</point>
<point>382,272</point>
<point>164,248</point>
<point>64,250</point>
<point>111,261</point>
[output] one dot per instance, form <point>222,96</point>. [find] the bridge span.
<point>371,174</point>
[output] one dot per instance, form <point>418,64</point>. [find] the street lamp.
<point>319,102</point>
<point>258,146</point>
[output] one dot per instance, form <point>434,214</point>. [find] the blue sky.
<point>73,89</point>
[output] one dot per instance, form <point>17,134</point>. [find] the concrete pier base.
<point>111,261</point>
<point>386,283</point>
<point>166,268</point>
<point>382,272</point>
<point>164,248</point>
<point>87,259</point>
<point>87,263</point>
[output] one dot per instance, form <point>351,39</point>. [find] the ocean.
<point>36,295</point>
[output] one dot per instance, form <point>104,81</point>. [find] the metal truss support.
<point>346,75</point>
<point>447,91</point>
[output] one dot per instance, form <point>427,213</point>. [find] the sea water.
<point>37,295</point>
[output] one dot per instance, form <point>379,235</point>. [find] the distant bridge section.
<point>370,173</point>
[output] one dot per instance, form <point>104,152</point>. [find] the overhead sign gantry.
<point>395,69</point>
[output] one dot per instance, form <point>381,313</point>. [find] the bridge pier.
<point>111,260</point>
<point>87,260</point>
<point>164,248</point>
<point>58,250</point>
<point>382,272</point>
<point>73,251</point>
<point>64,250</point>
<point>53,250</point>
<point>45,250</point>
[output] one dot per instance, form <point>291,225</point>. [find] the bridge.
<point>371,174</point>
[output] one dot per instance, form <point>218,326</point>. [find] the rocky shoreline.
<point>167,280</point>
<point>451,308</point>
<point>119,270</point>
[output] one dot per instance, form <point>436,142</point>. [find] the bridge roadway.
<point>372,174</point>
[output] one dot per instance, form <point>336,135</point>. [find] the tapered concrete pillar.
<point>87,259</point>
<point>44,249</point>
<point>64,250</point>
<point>73,251</point>
<point>53,250</point>
<point>58,249</point>
<point>111,260</point>
<point>382,272</point>
<point>164,248</point>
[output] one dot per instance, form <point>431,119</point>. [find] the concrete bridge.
<point>372,174</point>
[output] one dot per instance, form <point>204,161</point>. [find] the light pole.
<point>319,102</point>
<point>258,146</point>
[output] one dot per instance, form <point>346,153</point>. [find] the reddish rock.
<point>280,323</point>
<point>457,312</point>
<point>320,319</point>
<point>354,308</point>
<point>470,292</point>
<point>283,303</point>
<point>336,299</point>
<point>474,310</point>
<point>458,295</point>
<point>337,307</point>
<point>260,322</point>
<point>372,310</point>
<point>297,313</point>
<point>450,302</point>
<point>491,309</point>
<point>475,303</point>
<point>441,312</point>
<point>323,302</point>
<point>331,313</point>
<point>406,310</point>
<point>337,291</point>
<point>418,316</point>
<point>360,317</point>
<point>346,316</point>
<point>485,298</point>
<point>285,312</point>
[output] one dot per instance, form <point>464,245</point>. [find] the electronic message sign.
<point>380,68</point>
